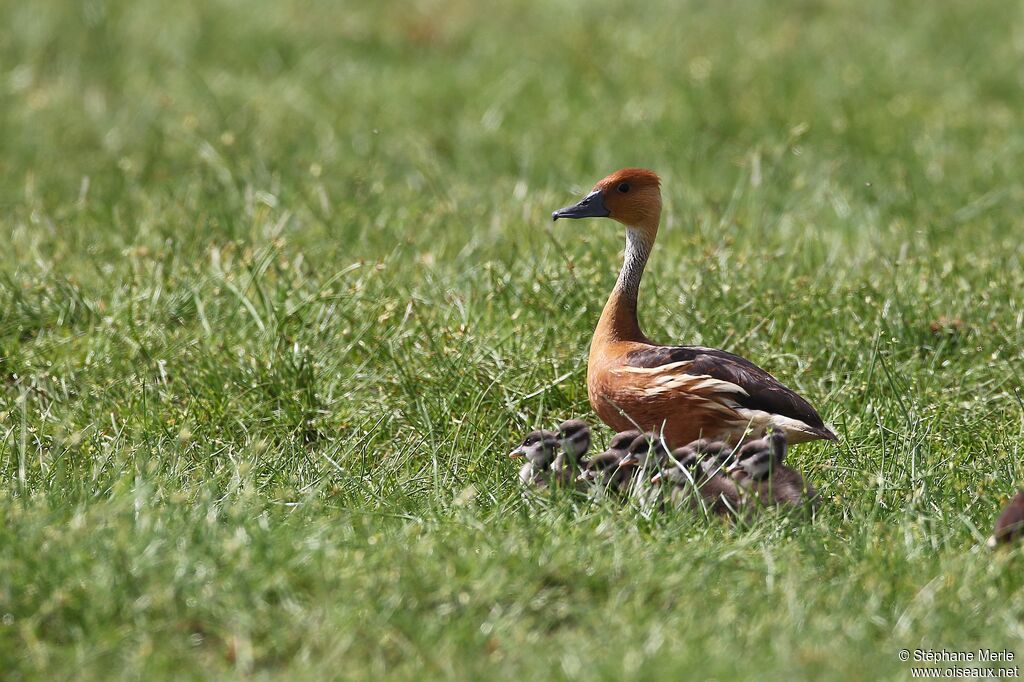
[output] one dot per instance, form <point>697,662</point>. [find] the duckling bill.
<point>538,448</point>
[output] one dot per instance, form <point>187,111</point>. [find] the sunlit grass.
<point>279,289</point>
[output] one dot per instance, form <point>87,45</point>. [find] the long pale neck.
<point>619,319</point>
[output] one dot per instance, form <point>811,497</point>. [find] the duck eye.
<point>623,187</point>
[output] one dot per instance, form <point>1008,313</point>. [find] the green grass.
<point>279,289</point>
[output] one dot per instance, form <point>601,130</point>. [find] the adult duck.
<point>681,392</point>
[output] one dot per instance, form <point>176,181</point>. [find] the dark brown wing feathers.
<point>764,392</point>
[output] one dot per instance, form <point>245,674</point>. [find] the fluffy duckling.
<point>682,474</point>
<point>539,448</point>
<point>761,471</point>
<point>646,456</point>
<point>603,472</point>
<point>1010,524</point>
<point>621,441</point>
<point>647,447</point>
<point>683,391</point>
<point>599,467</point>
<point>574,437</point>
<point>715,457</point>
<point>702,465</point>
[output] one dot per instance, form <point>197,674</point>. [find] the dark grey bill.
<point>592,206</point>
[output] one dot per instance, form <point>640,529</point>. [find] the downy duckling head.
<point>538,447</point>
<point>682,467</point>
<point>575,438</point>
<point>701,459</point>
<point>759,458</point>
<point>715,462</point>
<point>756,465</point>
<point>621,441</point>
<point>631,196</point>
<point>600,466</point>
<point>646,448</point>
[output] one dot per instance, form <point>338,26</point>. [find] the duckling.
<point>574,437</point>
<point>597,465</point>
<point>1010,524</point>
<point>602,471</point>
<point>646,446</point>
<point>682,473</point>
<point>647,455</point>
<point>760,470</point>
<point>621,441</point>
<point>684,391</point>
<point>538,447</point>
<point>715,459</point>
<point>701,465</point>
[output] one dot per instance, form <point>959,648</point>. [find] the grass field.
<point>279,289</point>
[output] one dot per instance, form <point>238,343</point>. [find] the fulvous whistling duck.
<point>762,473</point>
<point>603,470</point>
<point>574,438</point>
<point>645,447</point>
<point>682,392</point>
<point>538,447</point>
<point>701,465</point>
<point>598,469</point>
<point>1010,524</point>
<point>646,456</point>
<point>621,441</point>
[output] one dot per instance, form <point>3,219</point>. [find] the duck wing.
<point>746,384</point>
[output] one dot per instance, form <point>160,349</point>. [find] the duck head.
<point>647,447</point>
<point>606,462</point>
<point>600,467</point>
<point>621,441</point>
<point>631,196</point>
<point>538,447</point>
<point>684,466</point>
<point>756,465</point>
<point>575,438</point>
<point>758,459</point>
<point>717,462</point>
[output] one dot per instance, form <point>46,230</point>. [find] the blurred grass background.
<point>280,288</point>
